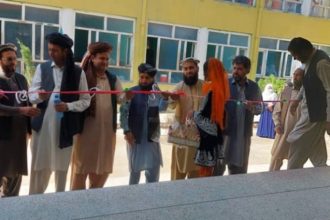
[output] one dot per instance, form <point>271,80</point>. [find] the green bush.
<point>29,68</point>
<point>278,83</point>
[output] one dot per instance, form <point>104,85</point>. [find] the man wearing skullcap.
<point>183,165</point>
<point>60,120</point>
<point>14,124</point>
<point>141,124</point>
<point>93,157</point>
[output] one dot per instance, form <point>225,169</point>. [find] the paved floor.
<point>259,161</point>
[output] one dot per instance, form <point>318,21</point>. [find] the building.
<point>162,32</point>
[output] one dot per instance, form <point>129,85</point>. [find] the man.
<point>14,124</point>
<point>141,124</point>
<point>183,164</point>
<point>284,121</point>
<point>240,113</point>
<point>307,138</point>
<point>94,149</point>
<point>54,129</point>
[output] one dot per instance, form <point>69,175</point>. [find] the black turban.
<point>59,39</point>
<point>147,68</point>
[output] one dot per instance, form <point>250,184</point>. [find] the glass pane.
<point>190,49</point>
<point>218,38</point>
<point>38,42</point>
<point>120,25</point>
<point>41,15</point>
<point>10,11</point>
<point>168,54</point>
<point>259,64</point>
<point>274,4</point>
<point>121,73</point>
<point>268,43</point>
<point>219,52</point>
<point>48,30</point>
<point>80,44</point>
<point>22,32</point>
<point>176,77</point>
<point>89,21</point>
<point>283,45</point>
<point>113,40</point>
<point>273,63</point>
<point>186,33</point>
<point>242,51</point>
<point>125,51</point>
<point>151,54</point>
<point>229,53</point>
<point>210,51</point>
<point>245,2</point>
<point>288,66</point>
<point>325,49</point>
<point>160,30</point>
<point>93,36</point>
<point>162,77</point>
<point>239,40</point>
<point>293,6</point>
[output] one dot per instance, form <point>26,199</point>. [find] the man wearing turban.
<point>60,120</point>
<point>141,124</point>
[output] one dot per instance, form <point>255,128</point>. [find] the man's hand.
<point>166,94</point>
<point>129,137</point>
<point>294,106</point>
<point>327,127</point>
<point>129,95</point>
<point>279,129</point>
<point>249,105</point>
<point>44,96</point>
<point>61,107</point>
<point>175,96</point>
<point>29,111</point>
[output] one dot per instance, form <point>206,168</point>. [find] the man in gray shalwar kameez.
<point>141,124</point>
<point>307,138</point>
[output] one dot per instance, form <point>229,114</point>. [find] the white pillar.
<point>67,22</point>
<point>201,49</point>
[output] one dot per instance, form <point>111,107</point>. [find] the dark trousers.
<point>10,186</point>
<point>220,169</point>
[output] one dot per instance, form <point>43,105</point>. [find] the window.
<point>273,58</point>
<point>115,31</point>
<point>320,8</point>
<point>291,6</point>
<point>226,46</point>
<point>167,45</point>
<point>29,27</point>
<point>243,2</point>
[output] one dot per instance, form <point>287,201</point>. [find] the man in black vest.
<point>307,138</point>
<point>60,120</point>
<point>14,124</point>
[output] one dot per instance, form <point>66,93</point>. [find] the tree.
<point>277,83</point>
<point>29,67</point>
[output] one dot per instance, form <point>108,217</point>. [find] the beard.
<point>297,84</point>
<point>146,87</point>
<point>190,81</point>
<point>8,70</point>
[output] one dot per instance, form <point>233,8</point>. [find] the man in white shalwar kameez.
<point>52,133</point>
<point>307,138</point>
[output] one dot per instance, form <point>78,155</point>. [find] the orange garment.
<point>219,85</point>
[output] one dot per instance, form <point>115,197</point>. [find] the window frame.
<point>179,40</point>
